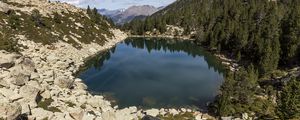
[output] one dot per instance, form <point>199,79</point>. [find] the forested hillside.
<point>262,35</point>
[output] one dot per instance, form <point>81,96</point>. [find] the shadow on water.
<point>100,75</point>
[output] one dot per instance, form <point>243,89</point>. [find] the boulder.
<point>4,83</point>
<point>173,111</point>
<point>64,82</point>
<point>41,114</point>
<point>20,79</point>
<point>4,7</point>
<point>34,76</point>
<point>46,94</point>
<point>80,85</point>
<point>10,111</point>
<point>52,58</point>
<point>61,65</point>
<point>162,111</point>
<point>88,116</point>
<point>7,60</point>
<point>199,117</point>
<point>245,116</point>
<point>98,101</point>
<point>109,115</point>
<point>28,66</point>
<point>152,112</point>
<point>76,113</point>
<point>30,93</point>
<point>227,118</point>
<point>11,95</point>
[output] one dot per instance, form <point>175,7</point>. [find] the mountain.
<point>110,13</point>
<point>121,16</point>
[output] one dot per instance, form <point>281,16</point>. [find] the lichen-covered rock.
<point>7,60</point>
<point>64,82</point>
<point>41,114</point>
<point>20,79</point>
<point>10,111</point>
<point>76,113</point>
<point>29,92</point>
<point>152,112</point>
<point>11,95</point>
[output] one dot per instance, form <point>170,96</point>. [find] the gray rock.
<point>7,60</point>
<point>80,85</point>
<point>30,93</point>
<point>10,111</point>
<point>41,114</point>
<point>76,113</point>
<point>4,83</point>
<point>4,7</point>
<point>245,116</point>
<point>109,115</point>
<point>227,118</point>
<point>63,82</point>
<point>52,58</point>
<point>11,95</point>
<point>28,65</point>
<point>20,79</point>
<point>34,76</point>
<point>46,94</point>
<point>152,112</point>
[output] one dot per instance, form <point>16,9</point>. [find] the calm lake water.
<point>155,73</point>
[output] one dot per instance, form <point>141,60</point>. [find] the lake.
<point>155,73</point>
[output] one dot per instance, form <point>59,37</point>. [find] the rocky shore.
<point>38,84</point>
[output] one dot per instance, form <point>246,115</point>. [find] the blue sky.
<point>116,4</point>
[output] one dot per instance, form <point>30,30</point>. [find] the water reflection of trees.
<point>160,44</point>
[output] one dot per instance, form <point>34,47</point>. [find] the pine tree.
<point>270,49</point>
<point>88,11</point>
<point>289,107</point>
<point>290,39</point>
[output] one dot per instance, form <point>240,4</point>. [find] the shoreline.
<point>227,62</point>
<point>162,36</point>
<point>51,76</point>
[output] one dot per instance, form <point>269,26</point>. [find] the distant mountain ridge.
<point>121,16</point>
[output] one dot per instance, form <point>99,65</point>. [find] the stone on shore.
<point>152,112</point>
<point>10,111</point>
<point>63,82</point>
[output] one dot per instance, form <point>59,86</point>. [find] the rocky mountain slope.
<point>42,46</point>
<point>123,16</point>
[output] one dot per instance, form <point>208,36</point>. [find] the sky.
<point>116,4</point>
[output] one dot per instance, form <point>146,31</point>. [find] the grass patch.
<point>83,106</point>
<point>45,104</point>
<point>70,104</point>
<point>181,116</point>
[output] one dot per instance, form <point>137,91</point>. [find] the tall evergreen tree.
<point>89,11</point>
<point>290,39</point>
<point>289,104</point>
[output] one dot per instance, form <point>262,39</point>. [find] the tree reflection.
<point>161,44</point>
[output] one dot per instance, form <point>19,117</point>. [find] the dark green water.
<point>155,73</point>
